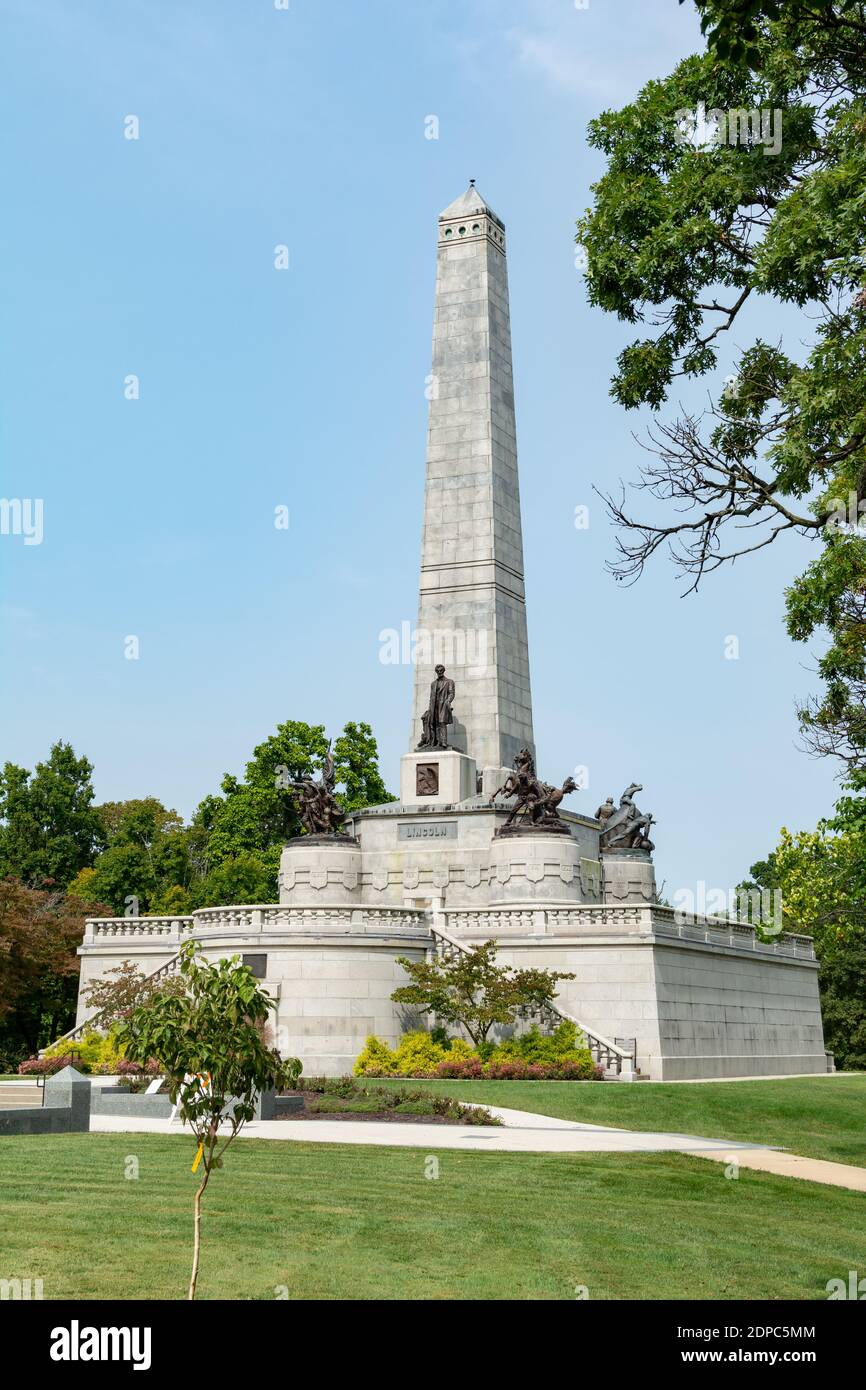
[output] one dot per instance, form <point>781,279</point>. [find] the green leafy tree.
<point>49,828</point>
<point>734,27</point>
<point>258,813</point>
<point>822,877</point>
<point>247,877</point>
<point>210,1042</point>
<point>255,815</point>
<point>685,231</point>
<point>471,990</point>
<point>356,767</point>
<point>843,1004</point>
<point>146,858</point>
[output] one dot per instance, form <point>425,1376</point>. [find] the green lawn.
<point>817,1116</point>
<point>341,1222</point>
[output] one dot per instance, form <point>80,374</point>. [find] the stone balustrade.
<point>500,923</point>
<point>99,928</point>
<point>556,921</point>
<point>538,921</point>
<point>739,934</point>
<point>251,918</point>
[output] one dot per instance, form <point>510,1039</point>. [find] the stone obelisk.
<point>472,607</point>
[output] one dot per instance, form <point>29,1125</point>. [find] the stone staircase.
<point>89,1024</point>
<point>619,1063</point>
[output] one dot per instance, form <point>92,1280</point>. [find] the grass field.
<point>817,1116</point>
<point>339,1222</point>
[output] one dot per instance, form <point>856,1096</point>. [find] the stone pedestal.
<point>69,1089</point>
<point>324,870</point>
<point>437,777</point>
<point>628,876</point>
<point>534,868</point>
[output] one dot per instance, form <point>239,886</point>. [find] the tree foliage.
<point>40,931</point>
<point>150,862</point>
<point>146,856</point>
<point>684,232</point>
<point>124,988</point>
<point>209,1040</point>
<point>49,828</point>
<point>822,877</point>
<point>240,833</point>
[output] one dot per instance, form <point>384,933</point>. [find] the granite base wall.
<point>697,1012</point>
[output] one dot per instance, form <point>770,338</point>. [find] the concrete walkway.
<point>522,1132</point>
<point>788,1165</point>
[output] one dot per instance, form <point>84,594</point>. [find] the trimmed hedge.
<point>533,1056</point>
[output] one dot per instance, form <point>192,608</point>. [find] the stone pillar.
<point>436,777</point>
<point>69,1090</point>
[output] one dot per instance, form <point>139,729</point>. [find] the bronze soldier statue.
<point>605,811</point>
<point>319,809</point>
<point>536,801</point>
<point>626,827</point>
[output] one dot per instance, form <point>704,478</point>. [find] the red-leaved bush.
<point>44,1066</point>
<point>152,1068</point>
<point>517,1070</point>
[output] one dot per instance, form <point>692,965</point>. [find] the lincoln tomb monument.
<point>478,846</point>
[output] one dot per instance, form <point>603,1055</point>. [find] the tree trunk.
<point>196,1245</point>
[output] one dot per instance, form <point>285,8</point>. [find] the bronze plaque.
<point>427,779</point>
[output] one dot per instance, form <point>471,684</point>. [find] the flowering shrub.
<point>463,1068</point>
<point>45,1066</point>
<point>151,1069</point>
<point>92,1052</point>
<point>517,1070</point>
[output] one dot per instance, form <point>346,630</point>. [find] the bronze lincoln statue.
<point>438,715</point>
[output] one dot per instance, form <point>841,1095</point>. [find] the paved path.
<point>521,1132</point>
<point>789,1165</point>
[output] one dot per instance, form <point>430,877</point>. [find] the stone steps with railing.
<point>89,1024</point>
<point>619,1063</point>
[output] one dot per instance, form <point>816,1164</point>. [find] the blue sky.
<point>305,388</point>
